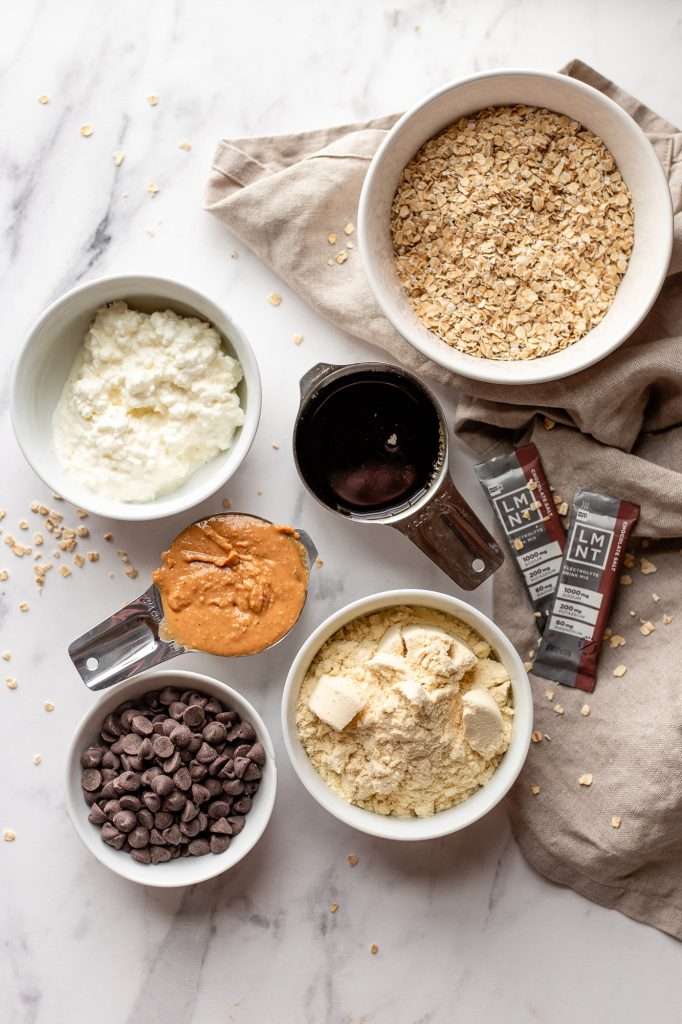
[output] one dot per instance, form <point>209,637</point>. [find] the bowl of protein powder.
<point>135,397</point>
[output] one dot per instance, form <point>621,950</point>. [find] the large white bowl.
<point>185,870</point>
<point>445,822</point>
<point>637,163</point>
<point>46,359</point>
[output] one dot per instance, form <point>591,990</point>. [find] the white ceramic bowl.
<point>185,870</point>
<point>445,822</point>
<point>46,359</point>
<point>637,163</point>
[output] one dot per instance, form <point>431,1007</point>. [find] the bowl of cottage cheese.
<point>407,714</point>
<point>135,397</point>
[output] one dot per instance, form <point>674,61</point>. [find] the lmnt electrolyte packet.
<point>598,534</point>
<point>520,494</point>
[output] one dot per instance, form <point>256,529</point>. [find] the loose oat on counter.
<point>511,231</point>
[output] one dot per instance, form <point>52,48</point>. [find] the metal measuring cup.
<point>131,640</point>
<point>439,521</point>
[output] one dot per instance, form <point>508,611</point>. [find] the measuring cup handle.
<point>453,537</point>
<point>126,643</point>
<point>314,375</point>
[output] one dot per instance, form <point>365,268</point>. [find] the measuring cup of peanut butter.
<point>371,444</point>
<point>231,584</point>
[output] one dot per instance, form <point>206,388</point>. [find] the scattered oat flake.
<point>625,580</point>
<point>585,710</point>
<point>79,561</point>
<point>153,100</point>
<point>349,229</point>
<point>48,705</point>
<point>93,556</point>
<point>24,606</point>
<point>11,683</point>
<point>330,262</point>
<point>532,485</point>
<point>518,544</point>
<point>352,859</point>
<point>667,619</point>
<point>23,524</point>
<point>38,539</point>
<point>536,736</point>
<point>131,572</point>
<point>4,575</point>
<point>3,513</point>
<point>646,567</point>
<point>86,130</point>
<point>9,835</point>
<point>374,949</point>
<point>152,188</point>
<point>341,257</point>
<point>616,821</point>
<point>37,758</point>
<point>333,908</point>
<point>535,790</point>
<point>43,100</point>
<point>297,339</point>
<point>548,737</point>
<point>585,780</point>
<point>82,531</point>
<point>331,238</point>
<point>528,665</point>
<point>616,640</point>
<point>64,571</point>
<point>619,671</point>
<point>108,536</point>
<point>186,146</point>
<point>275,445</point>
<point>563,508</point>
<point>119,157</point>
<point>629,560</point>
<point>6,655</point>
<point>558,709</point>
<point>227,503</point>
<point>275,299</point>
<point>548,424</point>
<point>647,628</point>
<point>549,694</point>
<point>655,597</point>
<point>319,563</point>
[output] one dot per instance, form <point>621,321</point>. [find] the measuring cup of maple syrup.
<point>371,444</point>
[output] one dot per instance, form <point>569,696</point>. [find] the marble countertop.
<point>466,931</point>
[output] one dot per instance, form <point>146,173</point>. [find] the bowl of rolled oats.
<point>515,226</point>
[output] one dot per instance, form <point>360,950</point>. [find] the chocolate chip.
<point>130,802</point>
<point>237,823</point>
<point>181,736</point>
<point>199,793</point>
<point>252,773</point>
<point>152,802</point>
<point>247,731</point>
<point>125,821</point>
<point>128,782</point>
<point>189,811</point>
<point>172,835</point>
<point>198,847</point>
<point>172,764</point>
<point>218,844</point>
<point>222,826</point>
<point>155,837</point>
<point>242,750</point>
<point>198,771</point>
<point>91,780</point>
<point>159,855</point>
<point>97,815</point>
<point>142,726</point>
<point>193,716</point>
<point>111,725</point>
<point>214,733</point>
<point>162,785</point>
<point>92,757</point>
<point>168,695</point>
<point>111,807</point>
<point>226,717</point>
<point>227,771</point>
<point>146,750</point>
<point>142,856</point>
<point>243,805</point>
<point>139,838</point>
<point>177,709</point>
<point>240,766</point>
<point>214,786</point>
<point>197,698</point>
<point>216,766</point>
<point>162,820</point>
<point>190,828</point>
<point>167,726</point>
<point>257,754</point>
<point>233,787</point>
<point>251,787</point>
<point>111,836</point>
<point>108,790</point>
<point>205,754</point>
<point>195,742</point>
<point>162,746</point>
<point>183,779</point>
<point>110,760</point>
<point>145,818</point>
<point>175,802</point>
<point>218,809</point>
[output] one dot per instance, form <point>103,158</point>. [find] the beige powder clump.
<point>406,752</point>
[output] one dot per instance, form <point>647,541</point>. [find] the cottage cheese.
<point>150,399</point>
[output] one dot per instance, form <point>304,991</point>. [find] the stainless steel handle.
<point>126,643</point>
<point>453,537</point>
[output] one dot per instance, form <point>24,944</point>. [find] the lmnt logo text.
<point>590,546</point>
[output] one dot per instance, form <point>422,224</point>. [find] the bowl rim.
<point>120,866</point>
<point>386,826</point>
<point>492,371</point>
<point>166,505</point>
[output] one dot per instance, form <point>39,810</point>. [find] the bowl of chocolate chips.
<point>171,778</point>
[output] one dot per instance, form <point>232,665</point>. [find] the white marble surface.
<point>466,931</point>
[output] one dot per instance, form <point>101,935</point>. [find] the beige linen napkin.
<point>619,430</point>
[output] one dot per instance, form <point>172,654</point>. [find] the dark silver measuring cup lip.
<point>131,640</point>
<point>438,521</point>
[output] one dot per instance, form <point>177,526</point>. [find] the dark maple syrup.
<point>369,442</point>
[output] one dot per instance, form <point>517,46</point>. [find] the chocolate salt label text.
<point>598,533</point>
<point>518,490</point>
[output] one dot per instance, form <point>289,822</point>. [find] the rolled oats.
<point>511,232</point>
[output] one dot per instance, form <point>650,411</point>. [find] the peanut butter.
<point>232,584</point>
